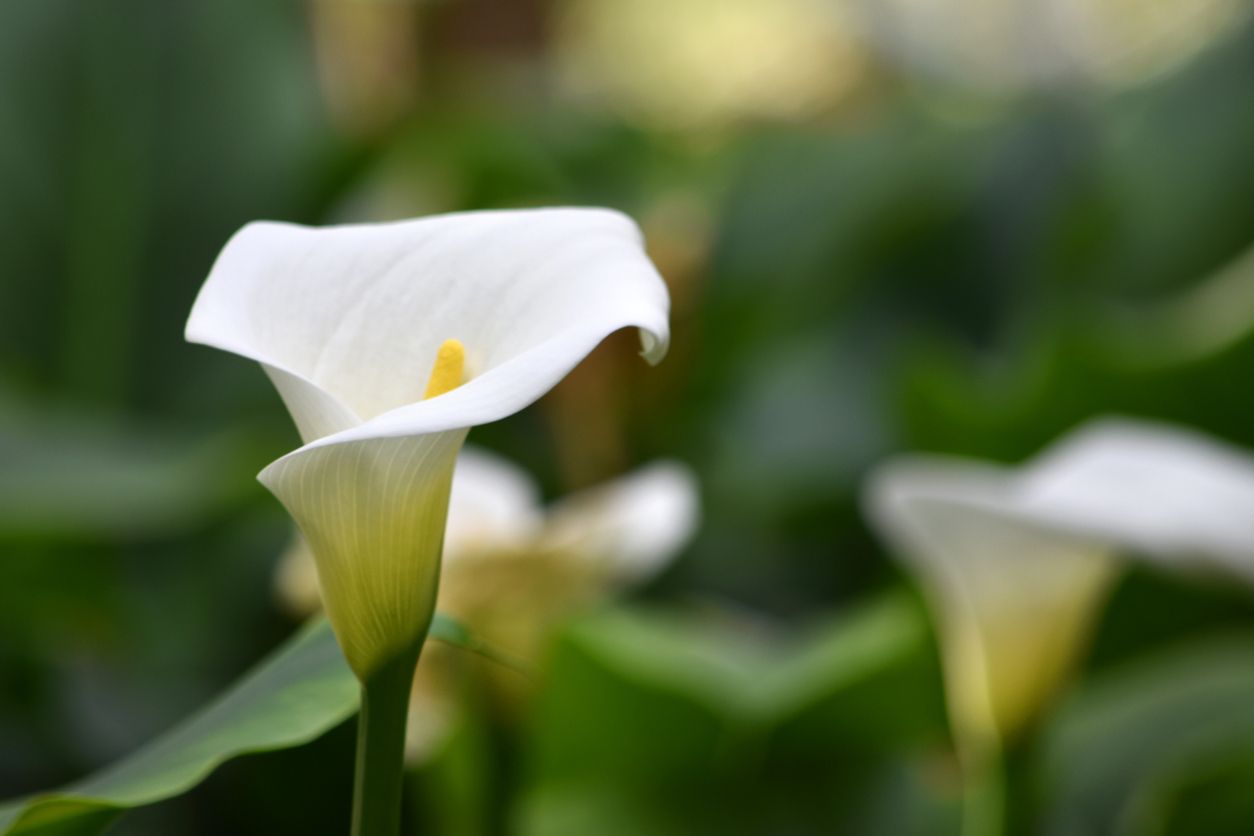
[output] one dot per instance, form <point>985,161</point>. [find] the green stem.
<point>381,747</point>
<point>1000,794</point>
<point>984,798</point>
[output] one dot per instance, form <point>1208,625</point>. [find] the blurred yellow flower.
<point>513,570</point>
<point>704,64</point>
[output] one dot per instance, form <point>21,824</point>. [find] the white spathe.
<point>347,320</point>
<point>513,570</point>
<point>1016,560</point>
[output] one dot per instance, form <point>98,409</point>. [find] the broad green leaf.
<point>292,697</point>
<point>702,723</point>
<point>751,675</point>
<point>1118,752</point>
<point>300,691</point>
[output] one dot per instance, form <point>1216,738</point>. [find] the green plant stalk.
<point>984,798</point>
<point>381,747</point>
<point>1000,794</point>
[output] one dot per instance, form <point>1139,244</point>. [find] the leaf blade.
<point>291,697</point>
<point>298,692</point>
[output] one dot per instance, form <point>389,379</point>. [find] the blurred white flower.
<point>1016,561</point>
<point>513,570</point>
<point>703,64</point>
<point>1010,44</point>
<point>350,322</point>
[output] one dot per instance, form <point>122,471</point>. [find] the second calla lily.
<point>388,342</point>
<point>1016,561</point>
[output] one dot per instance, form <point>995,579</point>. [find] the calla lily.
<point>1016,560</point>
<point>512,570</point>
<point>349,321</point>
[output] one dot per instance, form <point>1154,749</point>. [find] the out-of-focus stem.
<point>984,798</point>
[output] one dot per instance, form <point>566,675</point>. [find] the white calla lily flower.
<point>388,342</point>
<point>1016,560</point>
<point>513,570</point>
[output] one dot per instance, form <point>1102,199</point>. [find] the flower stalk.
<point>984,799</point>
<point>379,773</point>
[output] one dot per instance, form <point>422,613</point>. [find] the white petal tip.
<point>652,347</point>
<point>638,523</point>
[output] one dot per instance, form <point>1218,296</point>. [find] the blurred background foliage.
<point>958,227</point>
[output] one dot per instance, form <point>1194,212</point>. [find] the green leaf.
<point>293,696</point>
<point>445,628</point>
<point>701,722</point>
<point>300,691</point>
<point>745,674</point>
<point>1119,752</point>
